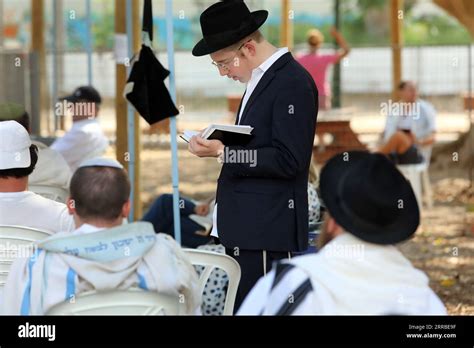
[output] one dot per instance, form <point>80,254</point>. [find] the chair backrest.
<point>426,153</point>
<point>16,241</point>
<point>120,302</point>
<point>54,193</point>
<point>211,260</point>
<point>412,172</point>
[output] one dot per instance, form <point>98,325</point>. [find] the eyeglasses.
<point>225,65</point>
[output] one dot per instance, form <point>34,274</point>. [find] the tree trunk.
<point>459,153</point>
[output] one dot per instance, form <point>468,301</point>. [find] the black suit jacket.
<point>265,206</point>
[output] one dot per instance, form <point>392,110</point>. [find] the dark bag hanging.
<point>145,88</point>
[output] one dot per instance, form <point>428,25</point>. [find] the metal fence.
<point>443,73</point>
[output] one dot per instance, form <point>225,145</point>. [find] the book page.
<point>227,128</point>
<point>188,134</point>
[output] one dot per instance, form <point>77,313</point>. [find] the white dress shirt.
<point>85,140</point>
<point>257,75</point>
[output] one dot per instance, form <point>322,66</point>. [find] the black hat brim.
<point>401,229</point>
<point>202,48</point>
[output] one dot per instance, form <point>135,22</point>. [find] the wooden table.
<point>333,136</point>
<point>333,131</point>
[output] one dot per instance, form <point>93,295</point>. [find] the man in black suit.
<point>261,212</point>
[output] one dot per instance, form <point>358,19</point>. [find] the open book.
<point>204,221</point>
<point>228,134</point>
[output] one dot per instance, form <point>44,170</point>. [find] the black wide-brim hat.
<point>369,197</point>
<point>225,23</point>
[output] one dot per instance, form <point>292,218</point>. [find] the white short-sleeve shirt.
<point>28,209</point>
<point>85,140</point>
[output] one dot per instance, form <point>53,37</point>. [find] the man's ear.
<point>333,229</point>
<point>71,206</point>
<point>251,48</point>
<point>331,224</point>
<point>126,209</point>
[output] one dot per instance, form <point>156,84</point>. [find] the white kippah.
<point>101,162</point>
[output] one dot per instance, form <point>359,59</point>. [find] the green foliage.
<point>435,30</point>
<point>272,34</point>
<point>73,39</point>
<point>103,29</point>
<point>365,5</point>
<point>431,29</point>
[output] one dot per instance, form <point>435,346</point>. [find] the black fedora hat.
<point>225,23</point>
<point>367,196</point>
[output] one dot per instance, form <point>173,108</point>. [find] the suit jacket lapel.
<point>264,82</point>
<point>238,111</point>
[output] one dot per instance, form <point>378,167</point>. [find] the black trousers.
<point>251,265</point>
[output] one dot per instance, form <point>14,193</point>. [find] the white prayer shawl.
<point>348,276</point>
<point>127,256</point>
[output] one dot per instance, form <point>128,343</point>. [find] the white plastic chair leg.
<point>428,192</point>
<point>413,175</point>
<point>416,185</point>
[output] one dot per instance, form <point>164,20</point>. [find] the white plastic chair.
<point>413,173</point>
<point>120,302</point>
<point>425,177</point>
<point>16,241</point>
<point>211,260</point>
<point>418,176</point>
<point>54,193</point>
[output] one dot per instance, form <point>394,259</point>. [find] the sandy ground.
<point>443,247</point>
<point>197,177</point>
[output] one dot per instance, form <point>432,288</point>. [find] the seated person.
<point>195,219</point>
<point>314,210</point>
<point>51,169</point>
<point>101,254</point>
<point>358,270</point>
<point>85,139</point>
<point>410,127</point>
<point>401,148</point>
<point>18,206</point>
<point>314,205</point>
<point>215,290</point>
